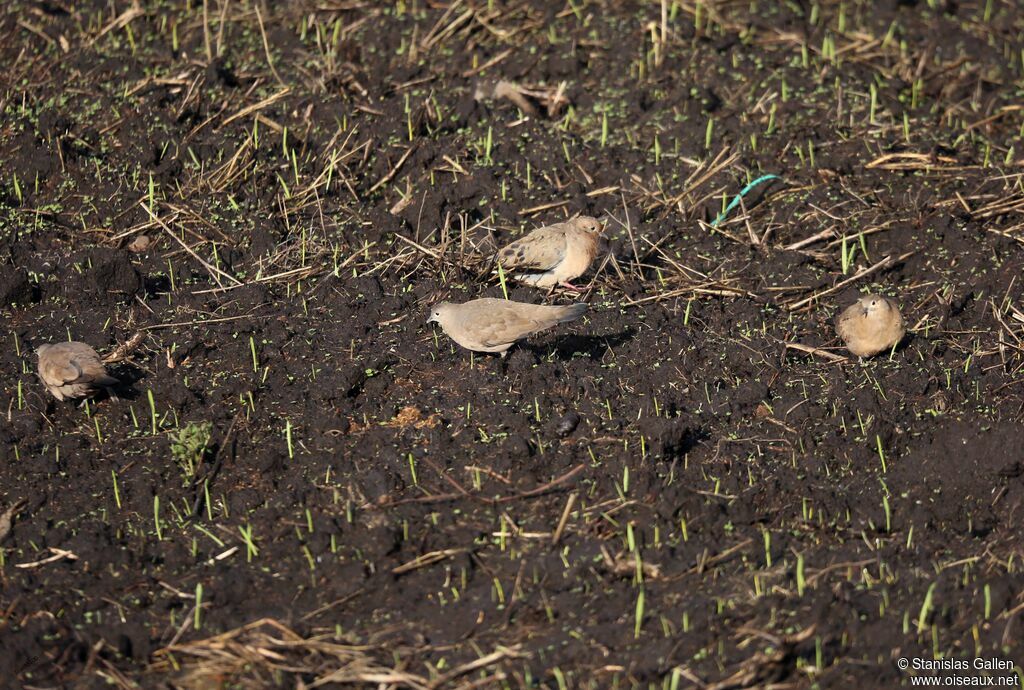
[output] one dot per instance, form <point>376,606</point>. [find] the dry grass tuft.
<point>265,651</point>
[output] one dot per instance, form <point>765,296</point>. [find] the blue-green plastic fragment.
<point>743,192</point>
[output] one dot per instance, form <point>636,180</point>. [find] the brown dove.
<point>494,325</point>
<point>555,254</point>
<point>870,325</point>
<point>504,89</point>
<point>72,370</point>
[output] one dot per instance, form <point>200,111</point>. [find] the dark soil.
<point>661,495</point>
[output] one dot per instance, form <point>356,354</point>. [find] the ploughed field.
<point>249,209</point>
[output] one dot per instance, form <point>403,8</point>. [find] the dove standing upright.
<point>494,325</point>
<point>555,254</point>
<point>72,370</point>
<point>870,325</point>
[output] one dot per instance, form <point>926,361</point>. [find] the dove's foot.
<point>569,286</point>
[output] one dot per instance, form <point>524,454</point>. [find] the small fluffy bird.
<point>870,325</point>
<point>494,325</point>
<point>72,370</point>
<point>555,254</point>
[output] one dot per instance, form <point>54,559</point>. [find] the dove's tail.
<point>571,312</point>
<point>541,280</point>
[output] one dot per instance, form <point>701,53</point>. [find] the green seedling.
<point>189,445</point>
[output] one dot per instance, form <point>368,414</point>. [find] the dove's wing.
<point>62,372</point>
<point>94,372</point>
<point>81,364</point>
<point>502,326</point>
<point>512,321</point>
<point>541,250</point>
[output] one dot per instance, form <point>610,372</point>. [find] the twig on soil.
<point>122,351</point>
<point>463,493</point>
<point>704,561</point>
<point>861,233</point>
<point>185,625</point>
<point>58,554</point>
<point>337,602</point>
<point>627,567</point>
<point>212,270</point>
<point>7,518</point>
<point>394,171</point>
<point>425,560</point>
<point>199,322</point>
<point>122,20</point>
<point>266,46</point>
<point>500,654</point>
<point>441,473</point>
<point>908,161</point>
<point>256,107</point>
<point>544,488</point>
<point>115,677</point>
<point>566,512</point>
<point>817,351</point>
<point>416,245</point>
<point>542,207</point>
<point>817,575</point>
<point>488,64</point>
<point>817,237</point>
<point>432,498</point>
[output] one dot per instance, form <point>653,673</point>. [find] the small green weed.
<point>189,444</point>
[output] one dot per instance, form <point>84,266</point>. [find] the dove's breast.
<point>579,252</point>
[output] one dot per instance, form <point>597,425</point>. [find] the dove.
<point>494,325</point>
<point>555,254</point>
<point>140,244</point>
<point>72,370</point>
<point>870,325</point>
<point>504,89</point>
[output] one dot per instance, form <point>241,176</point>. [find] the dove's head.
<point>41,350</point>
<point>591,226</point>
<point>439,312</point>
<point>874,306</point>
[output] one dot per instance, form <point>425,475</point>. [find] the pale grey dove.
<point>555,254</point>
<point>72,370</point>
<point>870,325</point>
<point>494,325</point>
<point>504,89</point>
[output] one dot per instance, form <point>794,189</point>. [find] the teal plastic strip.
<point>743,192</point>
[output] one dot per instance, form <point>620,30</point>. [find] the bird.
<point>494,325</point>
<point>870,325</point>
<point>486,90</point>
<point>72,370</point>
<point>555,254</point>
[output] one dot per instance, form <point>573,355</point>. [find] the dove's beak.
<point>431,319</point>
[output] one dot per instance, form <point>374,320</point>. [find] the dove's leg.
<point>569,286</point>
